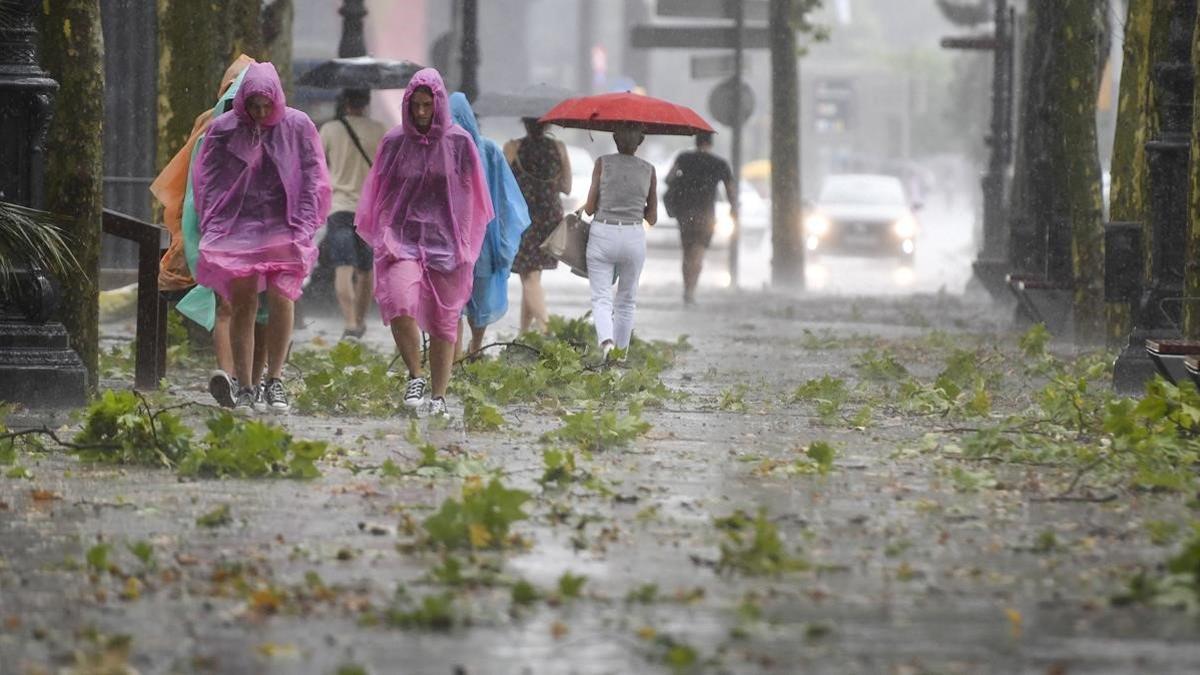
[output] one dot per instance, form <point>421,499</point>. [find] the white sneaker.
<point>275,396</point>
<point>414,393</point>
<point>437,407</point>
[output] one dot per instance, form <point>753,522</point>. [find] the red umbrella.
<point>607,112</point>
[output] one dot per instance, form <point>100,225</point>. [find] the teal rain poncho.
<point>489,295</point>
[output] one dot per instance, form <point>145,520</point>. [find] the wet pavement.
<point>905,573</point>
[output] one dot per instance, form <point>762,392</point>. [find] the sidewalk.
<point>907,573</point>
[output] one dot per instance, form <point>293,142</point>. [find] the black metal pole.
<point>991,265</point>
<point>1159,313</point>
<point>735,152</point>
<point>470,49</point>
<point>354,42</point>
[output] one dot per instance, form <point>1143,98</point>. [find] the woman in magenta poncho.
<point>424,210</point>
<point>261,191</point>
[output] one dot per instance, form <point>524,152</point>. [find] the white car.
<point>862,214</point>
<point>754,215</point>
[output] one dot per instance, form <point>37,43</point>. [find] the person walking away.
<point>173,188</point>
<point>691,196</point>
<point>261,191</point>
<point>543,171</point>
<point>623,194</point>
<point>489,294</point>
<point>424,211</point>
<point>350,142</point>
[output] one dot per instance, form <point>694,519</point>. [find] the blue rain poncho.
<point>489,295</point>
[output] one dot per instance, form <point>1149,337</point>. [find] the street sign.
<point>720,102</point>
<point>980,43</point>
<point>714,66</point>
<point>756,10</point>
<point>696,37</point>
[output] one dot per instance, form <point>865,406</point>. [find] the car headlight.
<point>905,227</point>
<point>817,225</point>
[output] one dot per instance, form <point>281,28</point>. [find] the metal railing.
<point>150,361</point>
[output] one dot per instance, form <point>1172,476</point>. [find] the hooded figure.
<point>424,210</point>
<point>173,189</point>
<point>261,192</point>
<point>489,299</point>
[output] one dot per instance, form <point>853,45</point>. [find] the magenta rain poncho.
<point>424,209</point>
<point>260,192</point>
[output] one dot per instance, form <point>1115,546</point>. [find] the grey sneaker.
<point>414,393</point>
<point>223,388</point>
<point>437,407</point>
<point>244,399</point>
<point>275,396</point>
<point>260,397</point>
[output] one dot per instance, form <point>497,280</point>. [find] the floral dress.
<point>538,167</point>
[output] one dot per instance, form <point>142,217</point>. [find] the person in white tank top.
<point>624,193</point>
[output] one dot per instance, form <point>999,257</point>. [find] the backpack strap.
<point>354,137</point>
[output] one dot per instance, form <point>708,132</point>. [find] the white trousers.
<point>620,251</point>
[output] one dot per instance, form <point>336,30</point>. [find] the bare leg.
<point>364,286</point>
<point>458,345</point>
<point>343,286</point>
<point>260,351</point>
<point>533,302</point>
<point>477,338</point>
<point>244,306</point>
<point>408,343</point>
<point>279,331</point>
<point>220,337</point>
<point>441,360</point>
<point>693,262</point>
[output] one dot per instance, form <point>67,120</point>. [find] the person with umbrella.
<point>261,191</point>
<point>424,210</point>
<point>489,296</point>
<point>624,192</point>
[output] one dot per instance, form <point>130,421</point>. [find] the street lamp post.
<point>1158,313</point>
<point>354,42</point>
<point>37,366</point>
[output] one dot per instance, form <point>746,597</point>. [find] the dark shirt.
<point>693,183</point>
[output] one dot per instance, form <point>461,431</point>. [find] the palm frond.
<point>32,238</point>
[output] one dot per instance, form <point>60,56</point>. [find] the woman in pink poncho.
<point>424,210</point>
<point>261,191</point>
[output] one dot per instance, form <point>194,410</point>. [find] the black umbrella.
<point>361,72</point>
<point>532,101</point>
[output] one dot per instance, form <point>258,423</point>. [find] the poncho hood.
<point>261,79</point>
<point>432,80</point>
<point>464,116</point>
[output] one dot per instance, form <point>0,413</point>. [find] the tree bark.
<point>1030,194</point>
<point>787,265</point>
<point>1076,86</point>
<point>73,53</point>
<point>196,43</point>
<point>277,20</point>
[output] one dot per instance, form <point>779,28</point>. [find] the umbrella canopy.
<point>607,112</point>
<point>532,101</point>
<point>360,72</point>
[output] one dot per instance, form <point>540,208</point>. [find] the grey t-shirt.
<point>624,186</point>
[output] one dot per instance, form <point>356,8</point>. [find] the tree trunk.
<point>1030,194</point>
<point>1191,269</point>
<point>787,265</point>
<point>1076,86</point>
<point>277,20</point>
<point>196,43</point>
<point>73,53</point>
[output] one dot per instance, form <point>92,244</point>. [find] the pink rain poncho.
<point>424,209</point>
<point>260,192</point>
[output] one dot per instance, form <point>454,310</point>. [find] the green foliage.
<point>251,449</point>
<point>752,546</point>
<point>120,428</point>
<point>144,552</point>
<point>560,467</point>
<point>879,365</point>
<point>829,393</point>
<point>218,517</point>
<point>480,520</point>
<point>352,669</point>
<point>734,398</point>
<point>591,430</point>
<point>822,455</point>
<point>348,379</point>
<point>525,593</point>
<point>1033,342</point>
<point>679,656</point>
<point>432,612</point>
<point>97,558</point>
<point>117,362</point>
<point>1178,585</point>
<point>478,415</point>
<point>646,594</point>
<point>570,586</point>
